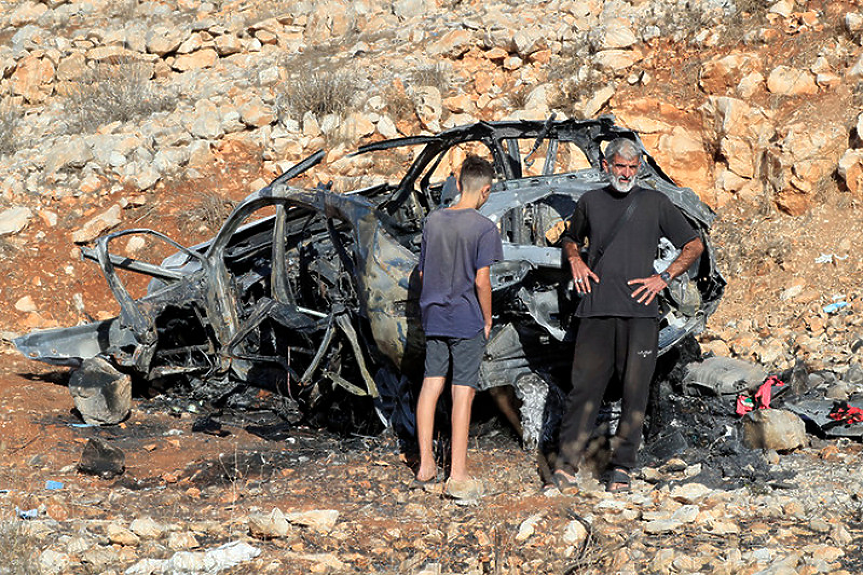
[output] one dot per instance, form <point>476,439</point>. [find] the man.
<point>618,313</point>
<point>458,246</point>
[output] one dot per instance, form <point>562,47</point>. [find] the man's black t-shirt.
<point>632,251</point>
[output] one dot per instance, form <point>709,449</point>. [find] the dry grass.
<point>112,92</point>
<point>437,76</point>
<point>210,212</point>
<point>9,118</point>
<point>320,92</point>
<point>399,105</point>
<point>18,550</point>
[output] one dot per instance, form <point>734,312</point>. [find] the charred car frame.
<point>322,293</point>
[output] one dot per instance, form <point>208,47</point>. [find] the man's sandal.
<point>619,481</point>
<point>565,482</point>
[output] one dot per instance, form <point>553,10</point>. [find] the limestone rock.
<point>13,220</point>
<point>429,107</point>
<point>26,305</point>
<point>851,170</point>
<point>182,540</point>
<point>574,533</point>
<point>787,81</point>
<point>452,45</point>
<point>406,9</point>
<point>205,58</point>
<point>773,429</point>
<point>255,113</point>
<point>147,528</point>
<point>719,75</point>
<point>617,60</point>
<point>163,40</point>
<point>527,528</point>
<point>529,40</point>
<point>322,520</point>
<point>617,34</point>
<point>71,153</point>
<point>269,525</point>
<point>228,44</point>
<point>101,394</point>
<point>690,493</point>
<point>97,225</point>
<point>119,535</point>
<point>33,79</point>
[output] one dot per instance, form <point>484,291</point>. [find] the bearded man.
<point>618,314</point>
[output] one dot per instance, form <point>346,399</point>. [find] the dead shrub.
<point>18,550</point>
<point>518,97</point>
<point>437,76</point>
<point>399,104</point>
<point>10,116</point>
<point>210,212</point>
<point>320,92</point>
<point>111,92</point>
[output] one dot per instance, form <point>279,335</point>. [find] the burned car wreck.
<point>322,293</point>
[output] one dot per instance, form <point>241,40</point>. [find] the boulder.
<point>269,525</point>
<point>787,81</point>
<point>720,75</point>
<point>71,153</point>
<point>429,107</point>
<point>775,429</point>
<point>851,170</point>
<point>101,394</point>
<point>98,225</point>
<point>617,60</point>
<point>33,79</point>
<point>453,44</point>
<point>13,220</point>
<point>101,459</point>
<point>205,58</point>
<point>164,40</point>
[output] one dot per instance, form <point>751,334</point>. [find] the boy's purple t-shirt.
<point>456,243</point>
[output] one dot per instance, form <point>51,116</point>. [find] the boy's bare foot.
<point>426,475</point>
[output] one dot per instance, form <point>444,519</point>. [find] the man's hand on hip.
<point>648,289</point>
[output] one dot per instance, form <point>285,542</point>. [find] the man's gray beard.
<point>619,186</point>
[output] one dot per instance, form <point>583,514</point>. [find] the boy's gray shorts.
<point>465,355</point>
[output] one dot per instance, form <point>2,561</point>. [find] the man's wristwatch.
<point>666,277</point>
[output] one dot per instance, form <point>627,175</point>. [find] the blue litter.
<point>835,306</point>
<point>82,425</point>
<point>28,514</point>
<point>53,485</point>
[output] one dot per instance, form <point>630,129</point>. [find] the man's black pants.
<point>606,346</point>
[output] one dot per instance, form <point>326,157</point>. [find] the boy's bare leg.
<point>462,399</point>
<point>426,406</point>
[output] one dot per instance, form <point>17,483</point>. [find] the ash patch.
<point>703,431</point>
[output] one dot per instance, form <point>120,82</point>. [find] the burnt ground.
<point>211,481</point>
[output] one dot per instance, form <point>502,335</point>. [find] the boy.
<point>458,246</point>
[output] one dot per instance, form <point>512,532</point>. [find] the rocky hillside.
<point>159,114</point>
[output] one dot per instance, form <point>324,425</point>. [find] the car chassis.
<point>324,293</point>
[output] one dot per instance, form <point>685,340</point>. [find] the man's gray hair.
<point>626,149</point>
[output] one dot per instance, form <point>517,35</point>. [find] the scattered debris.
<point>818,412</point>
<point>102,395</point>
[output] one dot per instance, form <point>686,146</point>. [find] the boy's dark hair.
<point>475,173</point>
